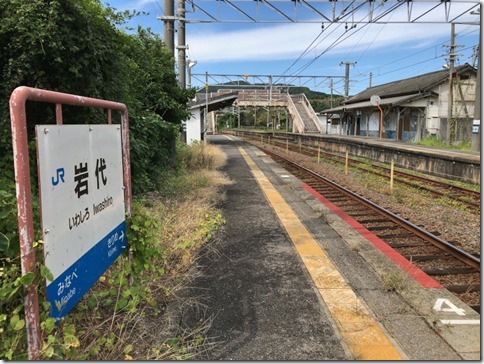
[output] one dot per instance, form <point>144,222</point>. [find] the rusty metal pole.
<point>381,121</point>
<point>392,169</point>
<point>25,219</point>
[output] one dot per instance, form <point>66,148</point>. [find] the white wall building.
<point>413,108</point>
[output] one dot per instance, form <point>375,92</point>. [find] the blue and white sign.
<point>82,207</point>
<point>476,124</point>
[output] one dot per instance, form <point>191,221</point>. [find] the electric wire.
<point>337,41</point>
<point>426,49</point>
<point>412,56</point>
<point>344,15</point>
<point>162,12</point>
<point>303,53</point>
<point>308,50</point>
<point>416,64</point>
<point>366,78</point>
<point>373,40</point>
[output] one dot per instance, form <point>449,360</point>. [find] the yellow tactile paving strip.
<point>364,337</point>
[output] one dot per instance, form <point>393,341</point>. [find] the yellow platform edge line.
<point>363,335</point>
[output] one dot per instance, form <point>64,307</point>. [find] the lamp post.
<point>190,64</point>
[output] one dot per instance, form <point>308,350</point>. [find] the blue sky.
<point>389,51</point>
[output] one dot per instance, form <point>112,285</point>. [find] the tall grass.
<point>135,310</point>
<point>186,217</point>
<point>438,143</point>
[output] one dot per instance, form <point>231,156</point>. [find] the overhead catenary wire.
<point>366,78</point>
<point>337,41</point>
<point>411,56</point>
<point>350,33</point>
<point>307,50</point>
<point>412,65</point>
<point>369,44</point>
<point>302,54</point>
<point>343,15</point>
<point>342,38</point>
<point>424,50</point>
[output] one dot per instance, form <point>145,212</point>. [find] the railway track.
<point>455,269</point>
<point>466,197</point>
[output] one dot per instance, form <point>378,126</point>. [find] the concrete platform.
<point>445,163</point>
<point>292,281</point>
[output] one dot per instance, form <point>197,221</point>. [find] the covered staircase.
<point>304,118</point>
<point>303,115</point>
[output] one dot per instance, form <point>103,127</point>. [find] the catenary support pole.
<point>347,77</point>
<point>476,125</point>
<point>450,97</point>
<point>205,118</point>
<point>168,25</point>
<point>181,48</point>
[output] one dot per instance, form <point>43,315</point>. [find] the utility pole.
<point>476,125</point>
<point>238,117</point>
<point>371,76</point>
<point>347,76</point>
<point>180,12</point>
<point>168,25</point>
<point>204,124</point>
<point>475,55</point>
<point>255,117</point>
<point>450,97</point>
<point>331,89</point>
<point>270,104</point>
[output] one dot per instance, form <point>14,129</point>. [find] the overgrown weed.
<point>117,320</point>
<point>433,141</point>
<point>394,282</point>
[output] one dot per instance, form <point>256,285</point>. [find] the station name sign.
<point>82,207</point>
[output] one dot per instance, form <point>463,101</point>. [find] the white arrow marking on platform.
<point>461,322</point>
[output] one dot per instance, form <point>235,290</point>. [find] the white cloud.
<point>288,41</point>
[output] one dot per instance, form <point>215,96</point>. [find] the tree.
<point>77,47</point>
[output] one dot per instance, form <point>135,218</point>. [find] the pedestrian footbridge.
<point>303,118</point>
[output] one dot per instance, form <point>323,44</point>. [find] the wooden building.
<point>413,108</point>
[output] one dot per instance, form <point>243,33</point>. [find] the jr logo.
<point>59,177</point>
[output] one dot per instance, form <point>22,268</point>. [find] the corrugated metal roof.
<point>387,101</point>
<point>220,100</point>
<point>418,84</point>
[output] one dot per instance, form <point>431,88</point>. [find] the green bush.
<point>163,237</point>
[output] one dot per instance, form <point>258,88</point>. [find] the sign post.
<point>18,118</point>
<point>82,207</point>
<point>375,100</point>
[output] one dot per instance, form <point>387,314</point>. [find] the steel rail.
<point>404,177</point>
<point>458,253</point>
